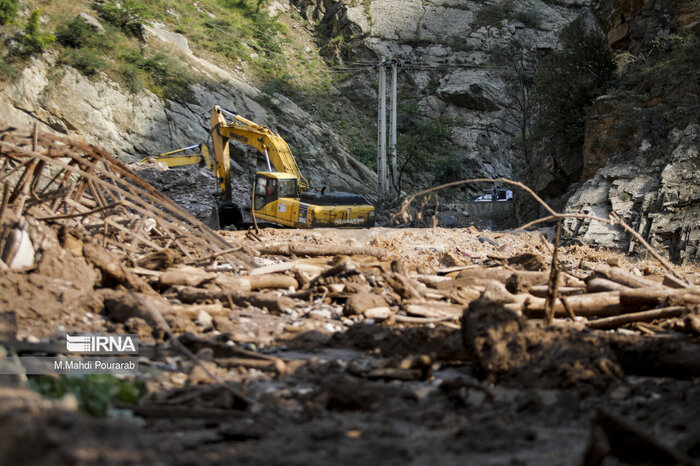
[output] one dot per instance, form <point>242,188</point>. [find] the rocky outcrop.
<point>641,156</point>
<point>136,125</point>
<point>661,200</point>
<point>633,25</point>
<point>449,44</point>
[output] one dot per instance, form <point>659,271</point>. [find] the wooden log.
<point>644,316</point>
<point>189,276</point>
<point>624,277</point>
<point>288,249</point>
<point>596,284</point>
<point>673,282</point>
<point>541,291</point>
<point>433,310</point>
<point>651,297</point>
<point>499,274</point>
<point>656,357</point>
<point>272,280</point>
<point>522,282</point>
<point>191,311</point>
<point>273,268</point>
<point>432,281</point>
<point>110,264</point>
<point>585,305</point>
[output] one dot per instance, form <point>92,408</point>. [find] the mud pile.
<point>383,346</point>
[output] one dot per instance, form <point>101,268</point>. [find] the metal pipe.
<point>267,157</point>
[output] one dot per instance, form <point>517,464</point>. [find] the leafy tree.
<point>8,9</point>
<point>74,33</point>
<point>424,150</point>
<point>568,81</point>
<point>34,41</point>
<point>518,62</point>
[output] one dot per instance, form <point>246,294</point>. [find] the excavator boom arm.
<point>276,151</point>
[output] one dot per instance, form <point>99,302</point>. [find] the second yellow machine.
<point>281,195</point>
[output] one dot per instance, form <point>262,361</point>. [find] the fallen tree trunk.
<point>288,249</point>
<point>645,316</point>
<point>600,284</point>
<point>624,277</point>
<point>194,278</point>
<point>586,305</point>
<point>652,297</point>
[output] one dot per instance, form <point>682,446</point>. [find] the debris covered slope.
<point>384,346</point>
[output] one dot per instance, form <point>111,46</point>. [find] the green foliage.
<point>84,60</point>
<point>97,394</point>
<point>424,149</point>
<point>127,15</point>
<point>670,67</point>
<point>263,29</point>
<point>6,69</point>
<point>569,80</point>
<point>160,73</point>
<point>365,152</point>
<point>74,33</point>
<point>8,9</point>
<point>84,48</point>
<point>34,40</point>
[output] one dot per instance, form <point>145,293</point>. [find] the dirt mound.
<point>505,347</point>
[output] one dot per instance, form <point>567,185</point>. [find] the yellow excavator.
<point>177,157</point>
<point>281,195</point>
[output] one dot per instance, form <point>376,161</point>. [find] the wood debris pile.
<point>313,327</point>
<point>82,187</point>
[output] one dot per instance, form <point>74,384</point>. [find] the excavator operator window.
<point>271,190</point>
<point>265,191</point>
<point>260,186</point>
<point>288,188</point>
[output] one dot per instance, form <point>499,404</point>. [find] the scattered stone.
<point>362,301</point>
<point>377,313</point>
<point>204,319</point>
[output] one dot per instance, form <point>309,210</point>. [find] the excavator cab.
<point>281,195</point>
<point>266,191</point>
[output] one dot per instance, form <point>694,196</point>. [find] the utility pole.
<point>381,136</point>
<point>392,130</point>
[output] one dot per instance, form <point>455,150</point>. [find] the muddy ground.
<point>314,382</point>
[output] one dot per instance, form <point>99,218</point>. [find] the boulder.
<point>92,22</point>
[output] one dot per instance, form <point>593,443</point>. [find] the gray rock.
<point>92,22</point>
<point>661,201</point>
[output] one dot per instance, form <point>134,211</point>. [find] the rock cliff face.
<point>450,45</point>
<point>641,158</point>
<point>137,125</point>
